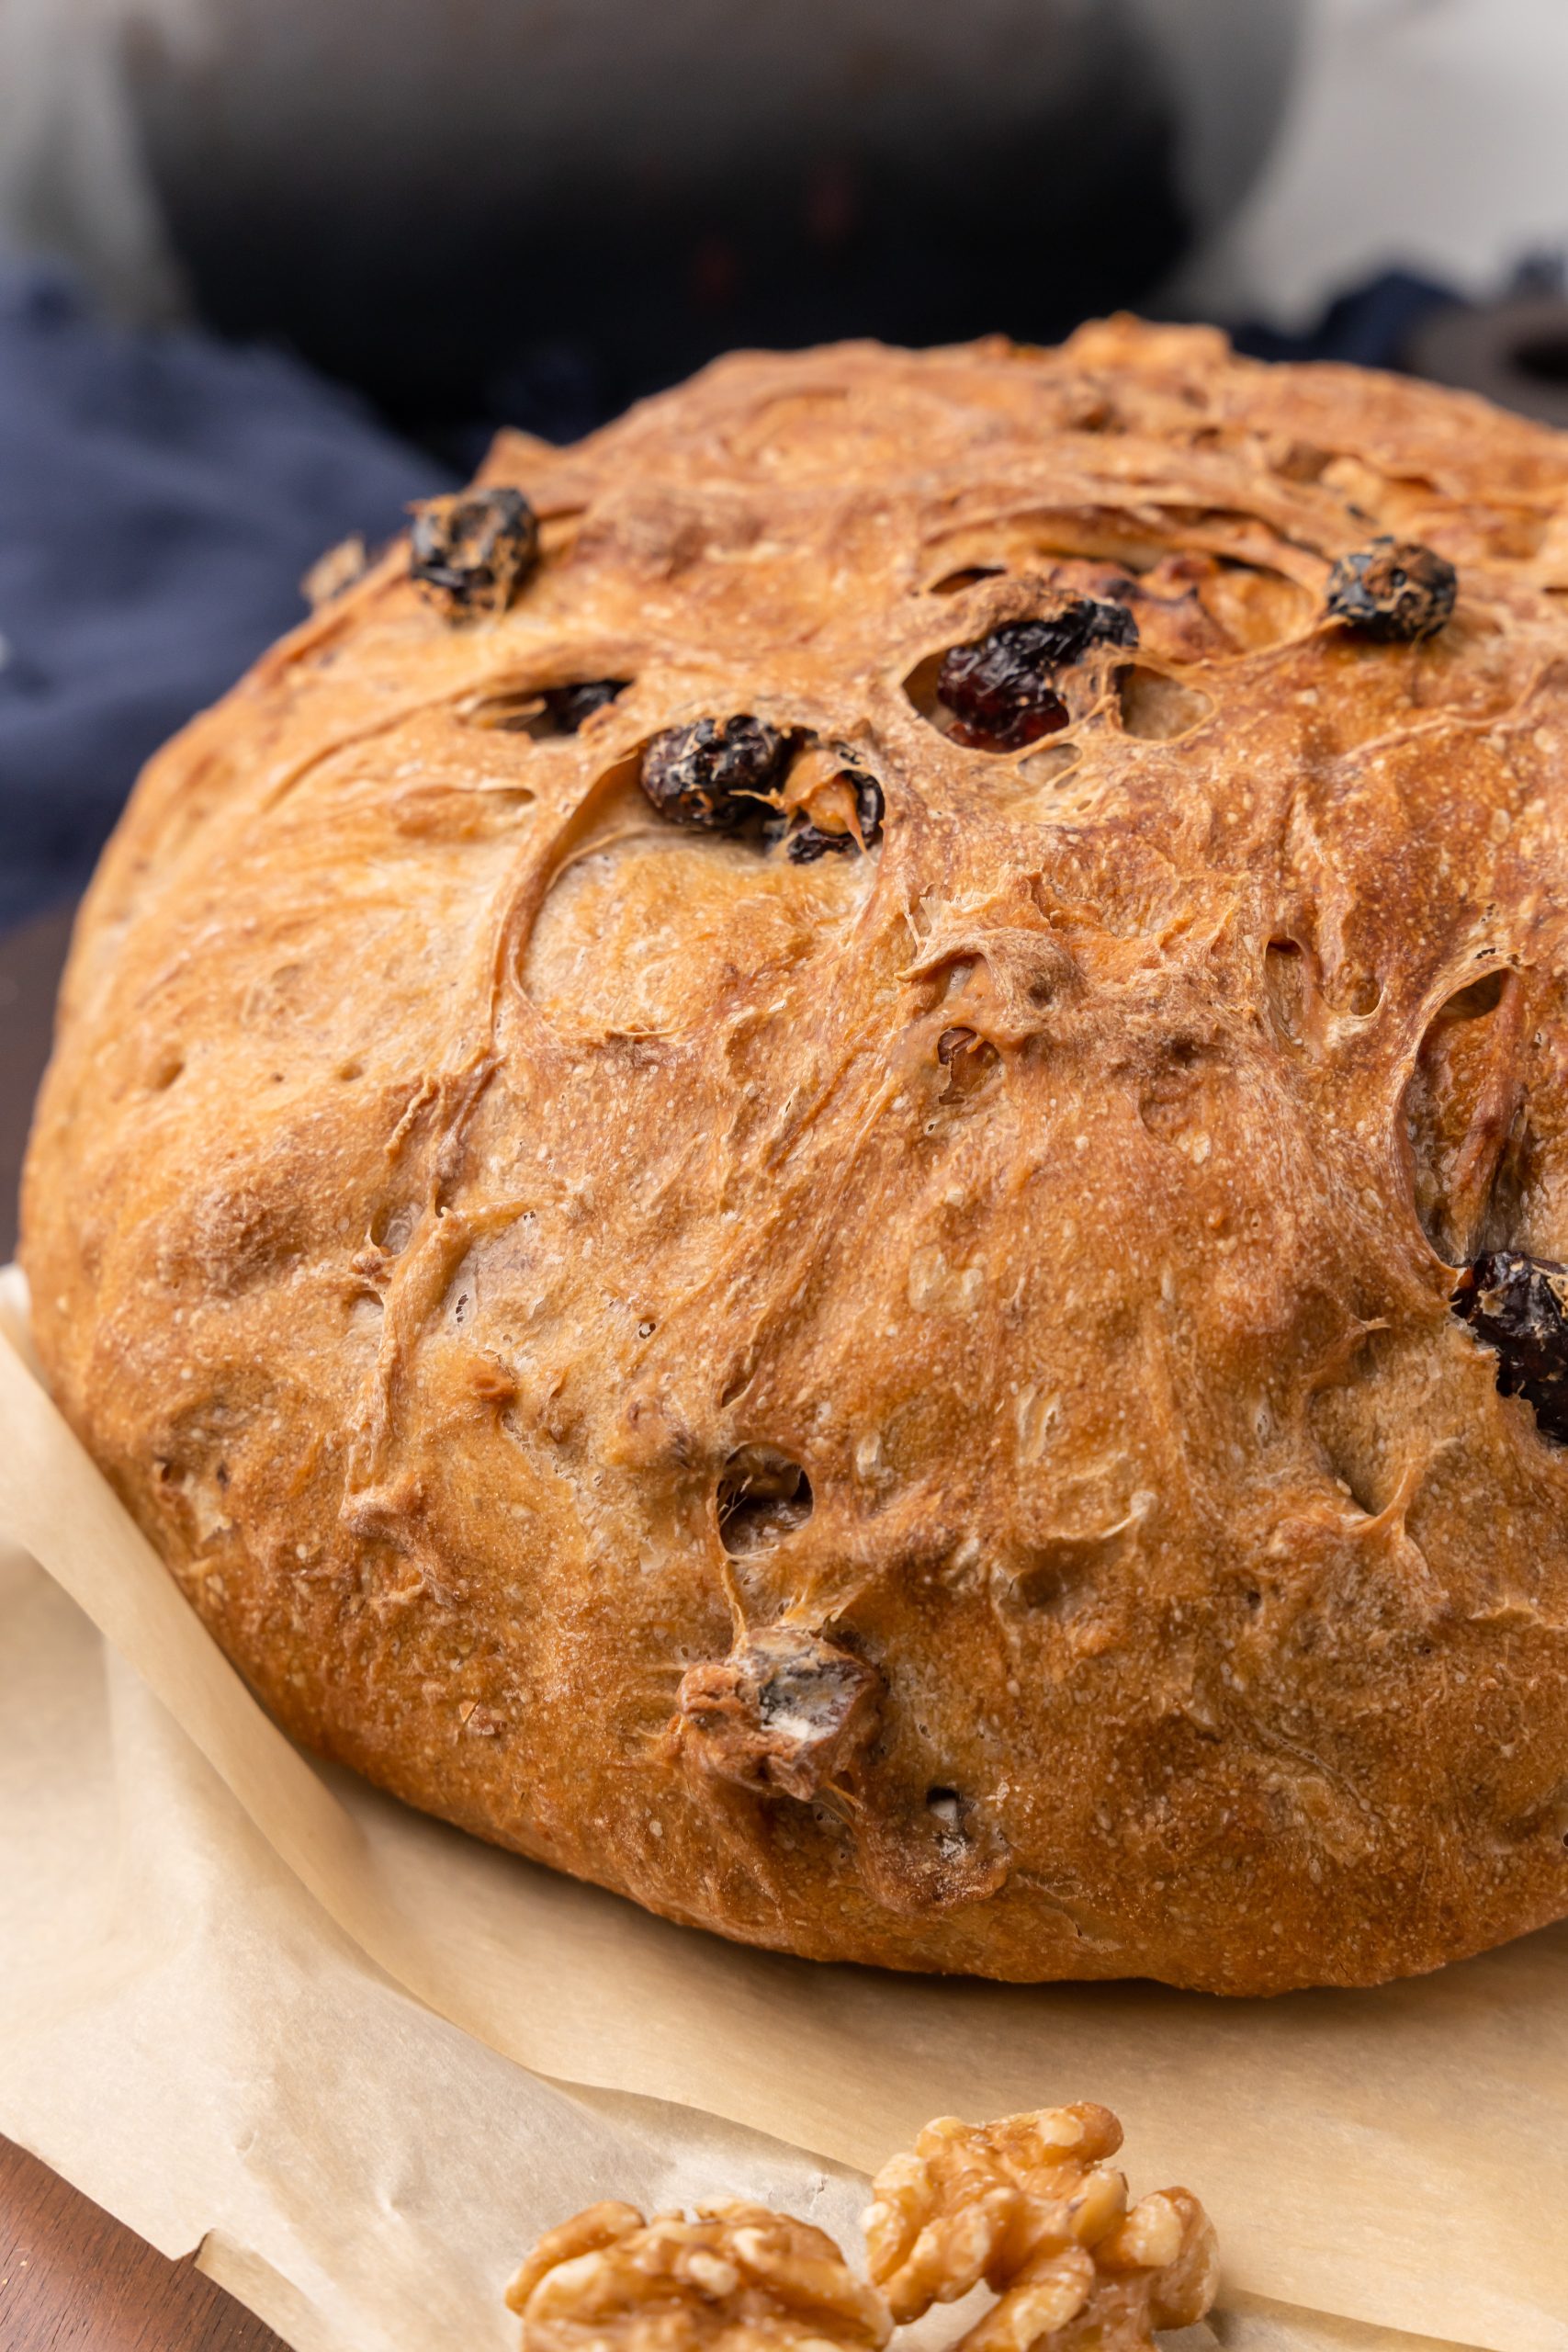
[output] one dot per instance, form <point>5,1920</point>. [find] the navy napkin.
<point>160,494</point>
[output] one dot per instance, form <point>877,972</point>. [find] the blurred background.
<point>271,268</point>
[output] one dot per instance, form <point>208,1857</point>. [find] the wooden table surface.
<point>73,2279</point>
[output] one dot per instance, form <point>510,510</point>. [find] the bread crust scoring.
<point>902,1405</point>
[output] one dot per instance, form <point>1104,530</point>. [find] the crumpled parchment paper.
<point>251,2002</point>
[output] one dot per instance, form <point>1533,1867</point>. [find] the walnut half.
<point>1029,2205</point>
<point>737,2279</point>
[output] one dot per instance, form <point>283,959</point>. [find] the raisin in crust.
<point>902,1404</point>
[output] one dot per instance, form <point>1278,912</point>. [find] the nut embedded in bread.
<point>761,1168</point>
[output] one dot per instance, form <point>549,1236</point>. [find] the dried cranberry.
<point>809,841</point>
<point>470,553</point>
<point>1520,1306</point>
<point>568,706</point>
<point>1393,590</point>
<point>714,773</point>
<point>999,689</point>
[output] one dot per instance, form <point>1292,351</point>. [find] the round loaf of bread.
<point>820,1166</point>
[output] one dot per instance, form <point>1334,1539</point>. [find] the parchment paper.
<point>248,1997</point>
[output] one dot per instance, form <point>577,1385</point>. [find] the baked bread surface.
<point>905,1406</point>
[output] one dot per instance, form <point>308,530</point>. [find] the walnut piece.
<point>739,2278</point>
<point>784,1712</point>
<point>1029,2205</point>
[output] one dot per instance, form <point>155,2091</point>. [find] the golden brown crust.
<point>450,1171</point>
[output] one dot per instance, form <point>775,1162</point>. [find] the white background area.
<point>1428,133</point>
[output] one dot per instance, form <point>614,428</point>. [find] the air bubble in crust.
<point>1158,708</point>
<point>1289,988</point>
<point>763,1495</point>
<point>541,712</point>
<point>968,1059</point>
<point>1460,1111</point>
<point>952,582</point>
<point>568,706</point>
<point>1050,764</point>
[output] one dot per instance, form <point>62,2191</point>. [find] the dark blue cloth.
<point>1371,325</point>
<point>160,494</point>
